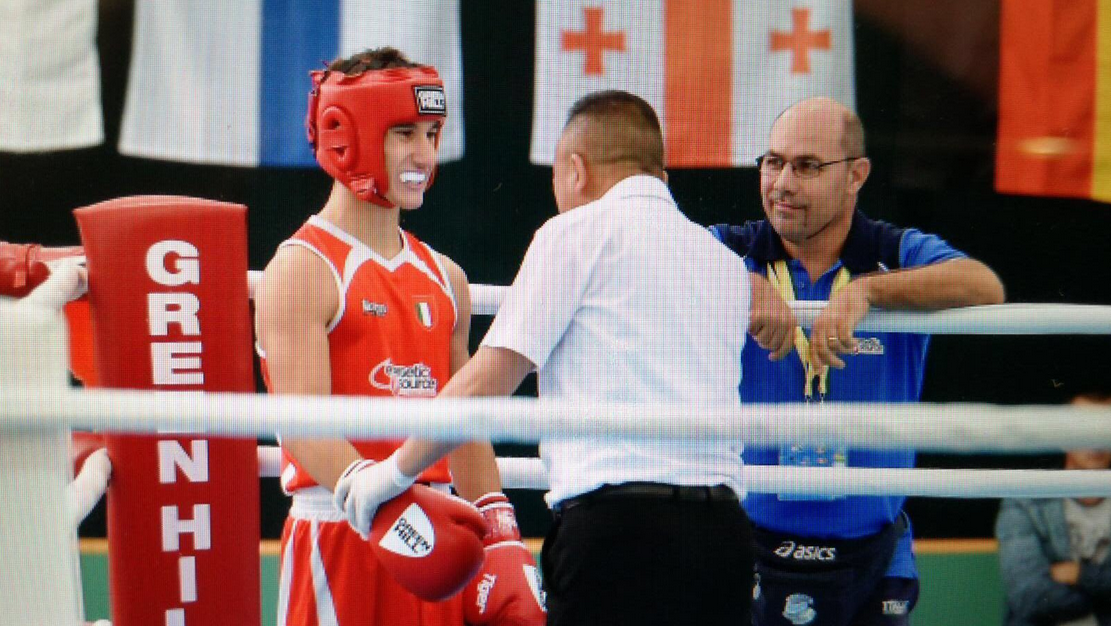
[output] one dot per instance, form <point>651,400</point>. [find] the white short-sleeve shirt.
<point>626,300</point>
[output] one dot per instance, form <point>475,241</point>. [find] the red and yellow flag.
<point>1055,99</point>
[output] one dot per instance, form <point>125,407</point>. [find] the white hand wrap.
<point>364,486</point>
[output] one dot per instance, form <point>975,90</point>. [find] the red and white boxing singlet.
<point>392,333</point>
<point>391,336</point>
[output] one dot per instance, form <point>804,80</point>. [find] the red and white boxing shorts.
<point>330,577</point>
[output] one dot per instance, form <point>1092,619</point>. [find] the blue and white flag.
<point>226,82</point>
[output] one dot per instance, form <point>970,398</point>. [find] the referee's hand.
<point>771,322</point>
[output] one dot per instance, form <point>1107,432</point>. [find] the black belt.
<point>653,491</point>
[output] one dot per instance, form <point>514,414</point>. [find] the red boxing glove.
<point>23,266</point>
<point>506,592</point>
<point>430,542</point>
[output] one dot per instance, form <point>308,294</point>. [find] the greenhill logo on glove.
<point>411,534</point>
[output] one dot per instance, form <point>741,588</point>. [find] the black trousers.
<point>635,558</point>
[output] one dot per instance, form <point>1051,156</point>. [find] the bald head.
<point>811,203</point>
<point>616,128</point>
<point>828,115</point>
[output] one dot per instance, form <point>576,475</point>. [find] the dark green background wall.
<point>925,72</point>
<point>958,588</point>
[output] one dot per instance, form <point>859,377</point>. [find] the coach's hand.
<point>771,322</point>
<point>506,591</point>
<point>832,334</point>
<point>364,486</point>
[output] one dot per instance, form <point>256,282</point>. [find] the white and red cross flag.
<point>717,72</point>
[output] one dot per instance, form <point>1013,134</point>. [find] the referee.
<point>614,302</point>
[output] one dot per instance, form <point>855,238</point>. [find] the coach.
<point>841,560</point>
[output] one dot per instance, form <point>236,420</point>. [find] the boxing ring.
<point>40,407</point>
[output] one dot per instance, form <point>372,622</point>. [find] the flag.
<point>49,76</point>
<point>1055,99</point>
<point>424,313</point>
<point>717,72</point>
<point>227,82</point>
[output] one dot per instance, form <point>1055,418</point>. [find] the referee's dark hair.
<point>619,127</point>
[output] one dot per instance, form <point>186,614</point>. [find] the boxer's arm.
<point>505,590</point>
<point>294,302</point>
<point>490,372</point>
<point>473,468</point>
<point>365,486</point>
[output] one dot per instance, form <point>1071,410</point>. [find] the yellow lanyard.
<point>780,278</point>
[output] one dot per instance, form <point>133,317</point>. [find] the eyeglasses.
<point>804,167</point>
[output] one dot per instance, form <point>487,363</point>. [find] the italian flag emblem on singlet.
<point>424,314</point>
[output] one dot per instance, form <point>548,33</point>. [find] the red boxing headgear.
<point>348,117</point>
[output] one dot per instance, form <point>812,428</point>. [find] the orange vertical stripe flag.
<point>717,72</point>
<point>1055,99</point>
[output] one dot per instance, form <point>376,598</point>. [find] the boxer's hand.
<point>364,486</point>
<point>771,322</point>
<point>832,333</point>
<point>506,591</point>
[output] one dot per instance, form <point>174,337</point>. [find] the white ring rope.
<point>998,319</point>
<point>530,473</point>
<point>525,473</point>
<point>903,426</point>
<point>935,483</point>
<point>961,428</point>
<point>65,284</point>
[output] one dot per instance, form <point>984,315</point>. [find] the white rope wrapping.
<point>40,580</point>
<point>89,486</point>
<point>62,285</point>
<point>961,428</point>
<point>269,461</point>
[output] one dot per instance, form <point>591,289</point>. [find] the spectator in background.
<point>1053,552</point>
